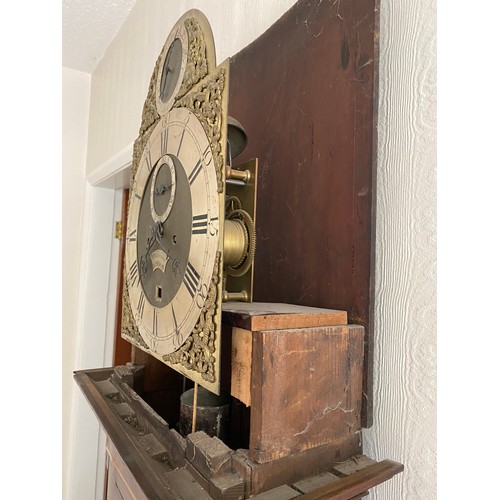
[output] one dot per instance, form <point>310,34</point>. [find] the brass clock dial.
<point>178,232</point>
<point>173,231</point>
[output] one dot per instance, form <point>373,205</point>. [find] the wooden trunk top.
<point>273,316</point>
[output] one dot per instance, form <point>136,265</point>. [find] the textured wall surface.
<point>87,28</point>
<point>405,277</point>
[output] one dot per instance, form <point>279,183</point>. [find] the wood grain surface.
<point>305,93</point>
<point>306,390</point>
<point>268,316</point>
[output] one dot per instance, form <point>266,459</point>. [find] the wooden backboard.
<point>306,94</point>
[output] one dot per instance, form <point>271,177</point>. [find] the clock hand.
<point>156,234</point>
<point>161,189</point>
<point>159,235</point>
<point>144,258</point>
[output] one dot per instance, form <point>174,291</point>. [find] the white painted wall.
<point>90,268</point>
<point>75,117</point>
<point>404,428</point>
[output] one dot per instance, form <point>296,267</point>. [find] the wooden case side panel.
<point>311,389</point>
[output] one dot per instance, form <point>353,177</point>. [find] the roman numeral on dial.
<point>175,319</point>
<point>155,322</point>
<point>200,224</point>
<point>134,273</point>
<point>164,141</point>
<point>194,173</point>
<point>191,279</point>
<point>132,236</point>
<point>149,160</point>
<point>182,138</point>
<point>140,305</point>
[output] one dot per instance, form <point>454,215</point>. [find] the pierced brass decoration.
<point>197,66</point>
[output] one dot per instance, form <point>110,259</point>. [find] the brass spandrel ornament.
<point>175,243</point>
<point>197,65</point>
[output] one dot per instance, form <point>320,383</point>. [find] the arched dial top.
<point>173,231</point>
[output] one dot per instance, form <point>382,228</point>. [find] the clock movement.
<point>190,241</point>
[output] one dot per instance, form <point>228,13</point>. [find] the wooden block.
<point>106,387</point>
<point>124,410</point>
<point>306,389</point>
<point>209,455</point>
<point>312,482</point>
<point>283,492</point>
<point>241,364</point>
<point>270,316</point>
<point>177,446</point>
<point>130,374</point>
<point>354,464</point>
<point>229,486</point>
<point>202,481</point>
<point>185,485</point>
<point>153,447</point>
<point>241,465</point>
<point>192,441</point>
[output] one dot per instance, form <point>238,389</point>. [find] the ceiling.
<point>88,27</point>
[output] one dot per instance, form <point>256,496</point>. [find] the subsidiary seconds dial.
<point>173,229</point>
<point>173,61</point>
<point>162,189</point>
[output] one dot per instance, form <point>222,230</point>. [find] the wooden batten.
<point>241,365</point>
